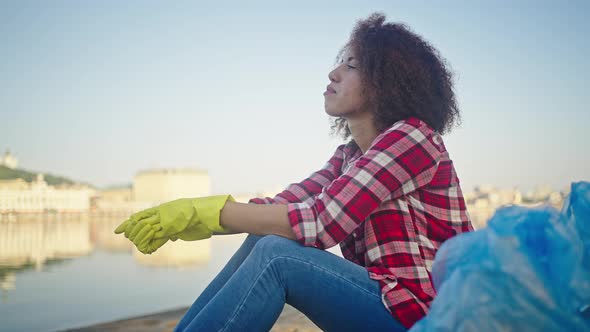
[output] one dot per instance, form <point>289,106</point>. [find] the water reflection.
<point>35,241</point>
<point>101,233</point>
<point>179,254</point>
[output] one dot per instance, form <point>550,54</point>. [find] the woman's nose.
<point>332,75</point>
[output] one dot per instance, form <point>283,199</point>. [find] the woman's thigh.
<point>336,294</point>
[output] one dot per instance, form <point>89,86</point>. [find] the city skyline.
<point>98,91</point>
<point>129,185</point>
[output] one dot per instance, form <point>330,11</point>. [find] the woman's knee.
<point>252,238</point>
<point>274,245</point>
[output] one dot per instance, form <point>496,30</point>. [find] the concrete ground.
<point>290,320</point>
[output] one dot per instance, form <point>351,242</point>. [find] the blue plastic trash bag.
<point>528,270</point>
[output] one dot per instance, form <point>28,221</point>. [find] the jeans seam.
<point>244,299</point>
<point>293,258</point>
<point>336,275</point>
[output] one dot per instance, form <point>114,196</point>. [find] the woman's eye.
<point>351,67</point>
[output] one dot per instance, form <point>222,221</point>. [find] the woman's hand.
<point>188,219</point>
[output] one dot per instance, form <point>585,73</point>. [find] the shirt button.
<point>354,234</point>
<point>437,139</point>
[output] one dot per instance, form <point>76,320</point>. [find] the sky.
<point>99,90</point>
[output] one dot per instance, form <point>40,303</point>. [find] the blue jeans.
<point>266,272</point>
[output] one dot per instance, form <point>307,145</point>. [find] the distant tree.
<point>53,180</point>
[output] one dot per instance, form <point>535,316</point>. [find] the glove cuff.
<point>209,209</point>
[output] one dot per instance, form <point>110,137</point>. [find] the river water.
<point>61,272</point>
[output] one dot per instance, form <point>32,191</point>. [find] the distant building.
<point>157,186</point>
<point>18,195</point>
<point>9,160</point>
<point>245,197</point>
<point>116,200</point>
<point>117,195</point>
<point>483,202</point>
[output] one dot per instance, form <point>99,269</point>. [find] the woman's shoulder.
<point>410,131</point>
<point>409,125</point>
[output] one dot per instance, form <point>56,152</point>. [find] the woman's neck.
<point>363,131</point>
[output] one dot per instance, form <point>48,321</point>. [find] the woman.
<point>390,197</point>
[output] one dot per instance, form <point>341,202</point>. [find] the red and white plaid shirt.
<point>390,209</point>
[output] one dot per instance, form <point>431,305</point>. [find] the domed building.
<point>8,160</point>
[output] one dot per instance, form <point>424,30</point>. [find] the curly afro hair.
<point>402,75</point>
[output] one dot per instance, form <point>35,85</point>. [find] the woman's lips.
<point>329,91</point>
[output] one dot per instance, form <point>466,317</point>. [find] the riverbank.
<point>290,320</point>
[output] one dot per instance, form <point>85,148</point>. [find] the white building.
<point>157,186</point>
<point>245,197</point>
<point>9,160</point>
<point>483,202</point>
<point>117,200</point>
<point>20,196</point>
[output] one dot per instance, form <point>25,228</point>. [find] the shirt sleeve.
<point>400,160</point>
<point>310,187</point>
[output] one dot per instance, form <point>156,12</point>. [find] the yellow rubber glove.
<point>189,219</point>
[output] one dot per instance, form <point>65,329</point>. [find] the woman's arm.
<point>259,219</point>
<point>310,187</point>
<point>265,216</point>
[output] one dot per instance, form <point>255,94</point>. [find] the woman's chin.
<point>331,111</point>
<point>332,114</point>
<point>336,114</point>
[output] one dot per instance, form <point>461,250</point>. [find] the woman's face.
<point>343,96</point>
